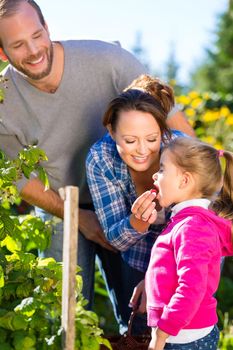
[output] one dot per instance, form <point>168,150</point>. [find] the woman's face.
<point>138,139</point>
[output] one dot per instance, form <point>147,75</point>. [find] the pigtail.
<point>223,204</point>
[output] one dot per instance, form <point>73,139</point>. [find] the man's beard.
<point>35,76</point>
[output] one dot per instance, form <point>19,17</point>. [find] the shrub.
<point>211,115</point>
<point>31,287</point>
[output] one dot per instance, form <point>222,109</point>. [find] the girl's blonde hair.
<point>203,160</point>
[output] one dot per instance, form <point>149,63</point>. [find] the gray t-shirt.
<point>65,124</point>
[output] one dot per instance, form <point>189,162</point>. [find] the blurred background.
<point>190,45</point>
<point>170,37</point>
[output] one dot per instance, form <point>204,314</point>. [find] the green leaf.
<point>43,177</point>
<point>13,321</point>
<point>11,244</point>
<point>27,306</point>
<point>105,342</point>
<point>32,155</point>
<point>26,170</point>
<point>25,289</point>
<point>24,341</point>
<point>6,346</point>
<point>3,336</point>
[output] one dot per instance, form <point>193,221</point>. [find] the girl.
<point>184,268</point>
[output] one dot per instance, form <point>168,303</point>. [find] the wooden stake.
<point>70,247</point>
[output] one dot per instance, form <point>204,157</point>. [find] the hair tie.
<point>220,152</point>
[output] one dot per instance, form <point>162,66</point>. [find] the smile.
<point>35,62</point>
<point>140,159</point>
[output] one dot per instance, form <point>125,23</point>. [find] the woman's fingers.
<point>138,202</point>
<point>138,297</point>
<point>146,214</point>
<point>143,206</point>
<point>153,217</point>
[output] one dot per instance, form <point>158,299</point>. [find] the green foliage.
<point>3,83</point>
<point>3,65</point>
<point>31,287</point>
<point>103,307</point>
<point>224,296</point>
<point>171,71</point>
<point>216,73</point>
<point>226,335</point>
<point>211,115</point>
<point>11,171</point>
<point>30,159</point>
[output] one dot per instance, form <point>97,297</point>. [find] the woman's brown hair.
<point>157,99</point>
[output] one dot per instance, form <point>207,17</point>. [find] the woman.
<point>119,169</point>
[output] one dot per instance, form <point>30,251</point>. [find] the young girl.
<point>184,268</point>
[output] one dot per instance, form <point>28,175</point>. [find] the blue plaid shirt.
<point>113,194</point>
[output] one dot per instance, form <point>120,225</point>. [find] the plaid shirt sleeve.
<point>110,205</point>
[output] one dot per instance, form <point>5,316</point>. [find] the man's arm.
<point>178,121</point>
<point>34,193</point>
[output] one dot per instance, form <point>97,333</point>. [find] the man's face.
<point>26,43</point>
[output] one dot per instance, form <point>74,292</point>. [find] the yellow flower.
<point>229,119</point>
<point>210,116</point>
<point>206,96</point>
<point>184,100</point>
<point>191,122</point>
<point>209,139</point>
<point>196,102</point>
<point>190,112</point>
<point>224,111</point>
<point>218,145</point>
<point>193,94</point>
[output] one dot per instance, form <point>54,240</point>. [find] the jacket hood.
<point>223,226</point>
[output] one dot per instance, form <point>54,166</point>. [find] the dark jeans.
<point>120,280</point>
<point>209,342</point>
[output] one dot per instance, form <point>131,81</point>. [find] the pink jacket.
<point>184,270</point>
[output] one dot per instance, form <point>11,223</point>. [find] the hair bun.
<point>162,92</point>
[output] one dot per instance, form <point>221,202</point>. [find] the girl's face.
<point>138,139</point>
<point>168,180</point>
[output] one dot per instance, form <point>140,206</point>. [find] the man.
<point>55,98</point>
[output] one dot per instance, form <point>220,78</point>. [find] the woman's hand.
<point>144,207</point>
<point>138,299</point>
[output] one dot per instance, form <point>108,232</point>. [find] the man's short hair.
<point>9,8</point>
